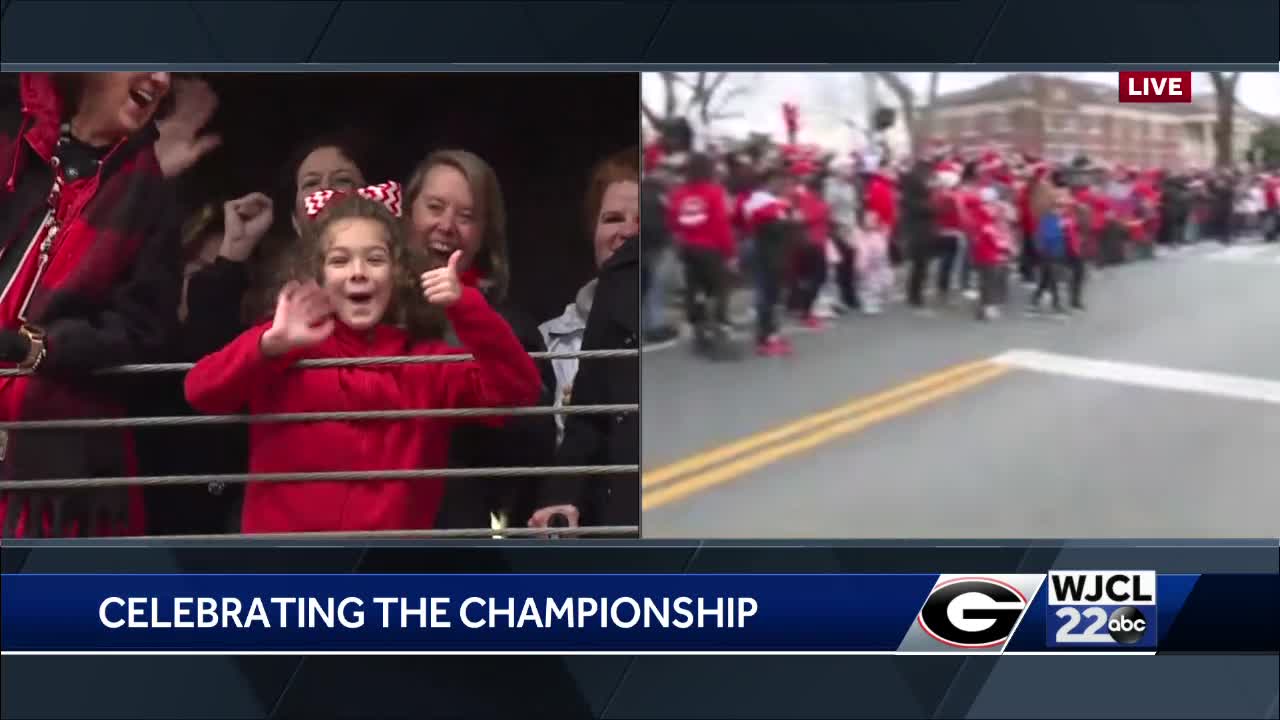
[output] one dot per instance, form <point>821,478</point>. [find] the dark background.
<point>542,132</point>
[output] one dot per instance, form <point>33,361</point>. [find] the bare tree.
<point>657,118</point>
<point>1224,90</point>
<point>930,113</point>
<point>917,120</point>
<point>907,105</point>
<point>709,97</point>
<point>839,102</point>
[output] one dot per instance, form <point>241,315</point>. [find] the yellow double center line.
<point>707,469</point>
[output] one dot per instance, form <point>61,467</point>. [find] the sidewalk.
<point>742,311</point>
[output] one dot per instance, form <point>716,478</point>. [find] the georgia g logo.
<point>972,612</point>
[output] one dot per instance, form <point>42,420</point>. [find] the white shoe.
<point>970,294</point>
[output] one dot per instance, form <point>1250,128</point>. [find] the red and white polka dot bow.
<point>387,193</point>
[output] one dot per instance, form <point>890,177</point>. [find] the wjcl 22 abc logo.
<point>1102,608</point>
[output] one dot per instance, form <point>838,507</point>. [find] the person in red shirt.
<point>988,253</point>
<point>1271,189</point>
<point>1089,222</point>
<point>882,199</point>
<point>810,259</point>
<point>355,288</point>
<point>774,228</point>
<point>699,218</point>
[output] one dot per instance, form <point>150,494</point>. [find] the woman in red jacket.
<point>89,278</point>
<point>355,284</point>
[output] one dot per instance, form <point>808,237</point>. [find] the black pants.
<point>705,274</point>
<point>1048,283</point>
<point>1271,221</point>
<point>1111,244</point>
<point>967,268</point>
<point>942,248</point>
<point>1076,269</point>
<point>806,282</point>
<point>770,257</point>
<point>846,277</point>
<point>993,285</point>
<point>1029,259</point>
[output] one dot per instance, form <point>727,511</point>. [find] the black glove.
<point>14,346</point>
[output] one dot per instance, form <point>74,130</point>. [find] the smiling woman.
<point>90,271</point>
<point>457,214</point>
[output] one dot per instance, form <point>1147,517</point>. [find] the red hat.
<point>990,163</point>
<point>948,166</point>
<point>947,173</point>
<point>803,168</point>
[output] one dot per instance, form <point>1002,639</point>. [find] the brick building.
<point>1059,118</point>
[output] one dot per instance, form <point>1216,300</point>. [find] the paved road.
<point>1154,414</point>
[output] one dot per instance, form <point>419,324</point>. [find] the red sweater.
<point>1026,218</point>
<point>1097,205</point>
<point>988,245</point>
<point>239,376</point>
<point>698,215</point>
<point>814,212</point>
<point>949,212</point>
<point>883,201</point>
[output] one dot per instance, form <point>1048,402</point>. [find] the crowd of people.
<point>101,267</point>
<point>791,222</point>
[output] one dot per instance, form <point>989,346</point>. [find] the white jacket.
<point>564,334</point>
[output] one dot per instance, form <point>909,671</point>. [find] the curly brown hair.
<point>407,309</point>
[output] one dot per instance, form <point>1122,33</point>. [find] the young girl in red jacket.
<point>355,290</point>
<point>989,252</point>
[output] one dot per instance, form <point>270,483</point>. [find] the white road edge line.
<point>1152,376</point>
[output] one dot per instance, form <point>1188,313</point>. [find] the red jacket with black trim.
<point>107,297</point>
<point>239,376</point>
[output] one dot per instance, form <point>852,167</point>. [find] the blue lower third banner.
<point>1092,611</point>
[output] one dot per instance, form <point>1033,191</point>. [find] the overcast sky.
<point>826,99</point>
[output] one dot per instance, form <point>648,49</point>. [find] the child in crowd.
<point>874,270</point>
<point>1053,243</point>
<point>355,290</point>
<point>991,249</point>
